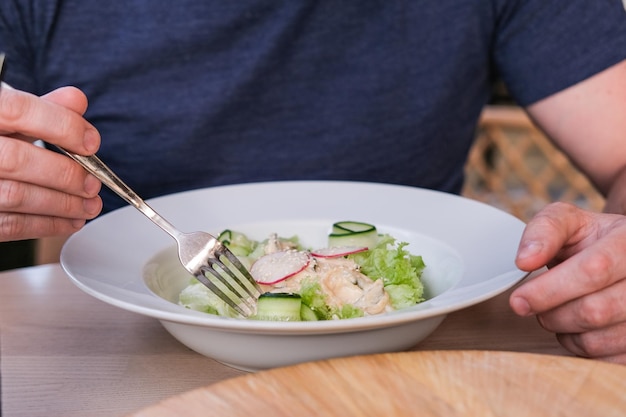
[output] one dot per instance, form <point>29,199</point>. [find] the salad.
<point>361,272</point>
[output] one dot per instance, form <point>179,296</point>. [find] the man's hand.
<point>43,193</point>
<point>582,296</point>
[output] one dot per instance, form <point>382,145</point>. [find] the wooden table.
<point>64,353</point>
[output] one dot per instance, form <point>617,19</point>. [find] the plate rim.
<point>185,316</point>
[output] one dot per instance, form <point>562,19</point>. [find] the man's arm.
<point>580,297</point>
<point>588,122</point>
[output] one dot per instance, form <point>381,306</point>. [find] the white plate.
<point>469,248</point>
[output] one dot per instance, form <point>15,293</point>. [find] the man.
<point>207,93</point>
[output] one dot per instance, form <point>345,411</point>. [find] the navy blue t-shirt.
<point>190,94</point>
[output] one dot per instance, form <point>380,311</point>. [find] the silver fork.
<point>205,257</point>
<point>202,255</point>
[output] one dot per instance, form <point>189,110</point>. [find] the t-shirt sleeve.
<point>543,47</point>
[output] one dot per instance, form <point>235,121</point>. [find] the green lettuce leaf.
<point>198,297</point>
<point>314,298</point>
<point>348,311</point>
<point>399,270</point>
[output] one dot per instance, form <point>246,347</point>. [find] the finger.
<point>23,162</point>
<point>608,343</point>
<point>28,211</point>
<point>597,310</point>
<point>593,269</point>
<point>588,242</point>
<point>619,358</point>
<point>19,197</point>
<point>31,116</point>
<point>557,226</point>
<point>18,226</point>
<point>69,97</point>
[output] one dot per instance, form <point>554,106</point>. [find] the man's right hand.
<point>44,193</point>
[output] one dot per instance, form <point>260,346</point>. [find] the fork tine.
<point>223,280</point>
<point>221,294</point>
<point>223,251</point>
<point>228,283</point>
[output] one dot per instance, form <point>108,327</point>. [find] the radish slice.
<point>337,251</point>
<point>278,266</point>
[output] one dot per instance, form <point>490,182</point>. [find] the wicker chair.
<point>513,166</point>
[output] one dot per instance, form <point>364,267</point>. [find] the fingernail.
<point>577,346</point>
<point>78,223</point>
<point>92,205</point>
<point>91,140</point>
<point>520,306</point>
<point>529,249</point>
<point>92,185</point>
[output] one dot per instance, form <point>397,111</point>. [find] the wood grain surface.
<point>435,383</point>
<point>64,353</point>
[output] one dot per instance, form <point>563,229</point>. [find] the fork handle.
<point>100,170</point>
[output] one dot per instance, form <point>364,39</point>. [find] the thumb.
<point>557,226</point>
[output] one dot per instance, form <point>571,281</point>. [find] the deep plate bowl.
<point>469,248</point>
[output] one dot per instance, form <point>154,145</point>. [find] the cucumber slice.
<point>351,233</point>
<point>279,307</point>
<point>306,314</point>
<point>237,242</point>
<point>225,237</point>
<point>352,227</point>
